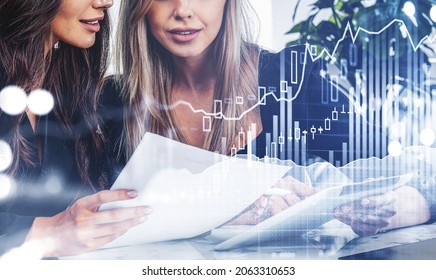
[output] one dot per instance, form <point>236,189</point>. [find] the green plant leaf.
<point>323,4</point>
<point>296,29</point>
<point>326,33</point>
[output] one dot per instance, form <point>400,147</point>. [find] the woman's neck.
<point>196,76</point>
<point>32,119</point>
<point>194,83</point>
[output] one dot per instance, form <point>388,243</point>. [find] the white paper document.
<point>191,190</point>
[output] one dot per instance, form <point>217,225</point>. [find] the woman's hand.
<point>81,228</point>
<point>285,193</point>
<point>368,215</point>
<point>405,206</point>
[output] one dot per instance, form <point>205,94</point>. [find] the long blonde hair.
<point>148,74</point>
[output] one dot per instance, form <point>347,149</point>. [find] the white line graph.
<point>360,29</point>
<point>323,53</point>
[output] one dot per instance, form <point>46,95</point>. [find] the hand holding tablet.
<point>311,213</point>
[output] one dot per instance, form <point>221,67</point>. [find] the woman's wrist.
<point>411,207</point>
<point>39,237</point>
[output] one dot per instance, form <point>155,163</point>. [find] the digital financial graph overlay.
<point>390,103</point>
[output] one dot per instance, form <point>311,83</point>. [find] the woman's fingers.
<point>292,199</point>
<point>94,201</point>
<point>353,209</point>
<point>286,192</point>
<point>378,200</point>
<point>121,214</point>
<point>276,204</point>
<point>361,227</point>
<point>368,215</point>
<point>295,186</point>
<point>116,228</point>
<point>293,191</point>
<point>367,222</point>
<point>364,229</point>
<point>372,205</point>
<point>82,228</point>
<point>353,219</point>
<point>110,232</point>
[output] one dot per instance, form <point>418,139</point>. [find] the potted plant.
<point>356,16</point>
<point>383,51</point>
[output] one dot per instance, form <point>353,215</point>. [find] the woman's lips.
<point>91,25</point>
<point>184,35</point>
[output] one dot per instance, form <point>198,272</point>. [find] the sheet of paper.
<point>190,190</point>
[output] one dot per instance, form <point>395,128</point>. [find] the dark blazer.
<point>44,188</point>
<point>312,120</point>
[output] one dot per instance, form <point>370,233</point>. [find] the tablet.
<point>310,213</point>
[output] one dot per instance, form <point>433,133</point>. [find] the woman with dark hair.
<point>58,169</point>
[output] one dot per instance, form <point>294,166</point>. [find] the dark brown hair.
<point>73,75</point>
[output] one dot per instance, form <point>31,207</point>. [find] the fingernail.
<point>147,210</point>
<point>132,194</point>
<point>142,219</point>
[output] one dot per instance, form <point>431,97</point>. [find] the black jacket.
<point>45,187</point>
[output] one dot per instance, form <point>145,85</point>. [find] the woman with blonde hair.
<point>156,81</point>
<point>190,71</point>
